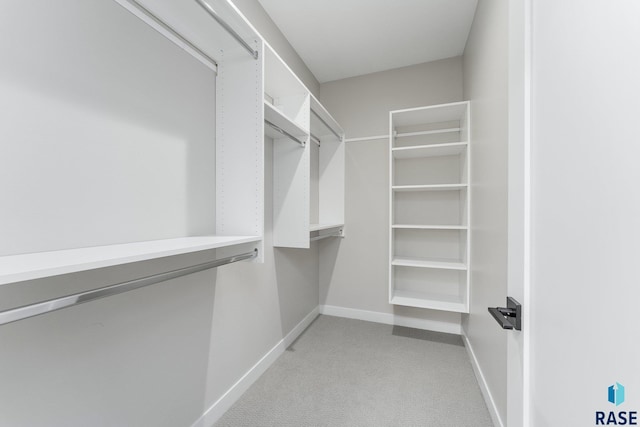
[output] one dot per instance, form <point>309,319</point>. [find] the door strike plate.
<point>509,317</point>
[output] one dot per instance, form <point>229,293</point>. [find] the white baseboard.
<point>391,319</point>
<point>488,398</point>
<point>216,410</point>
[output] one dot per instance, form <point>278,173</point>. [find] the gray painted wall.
<point>256,14</point>
<point>158,356</point>
<point>486,86</point>
<point>354,273</point>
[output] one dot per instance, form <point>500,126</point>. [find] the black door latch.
<point>509,317</point>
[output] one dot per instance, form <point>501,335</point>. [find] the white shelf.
<point>433,150</point>
<point>425,132</point>
<point>428,263</point>
<point>431,114</point>
<point>427,300</point>
<point>321,129</point>
<point>320,227</point>
<point>438,187</point>
<point>17,268</point>
<point>429,227</point>
<point>276,117</point>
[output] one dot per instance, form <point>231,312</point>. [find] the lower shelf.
<point>427,300</point>
<point>18,268</point>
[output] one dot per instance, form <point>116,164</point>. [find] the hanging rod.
<point>165,29</point>
<point>284,132</point>
<point>31,310</point>
<point>227,27</point>
<point>315,139</point>
<point>326,124</point>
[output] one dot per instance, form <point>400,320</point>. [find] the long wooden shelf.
<point>432,150</point>
<point>17,268</point>
<point>428,263</point>
<point>429,300</point>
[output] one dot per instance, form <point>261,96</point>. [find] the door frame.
<point>519,209</point>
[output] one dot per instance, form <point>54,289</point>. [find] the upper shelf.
<point>431,114</point>
<point>425,132</point>
<point>275,116</point>
<point>17,268</point>
<point>323,123</point>
<point>433,150</point>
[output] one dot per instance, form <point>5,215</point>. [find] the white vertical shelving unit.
<point>329,160</point>
<point>308,159</point>
<point>430,201</point>
<point>285,94</point>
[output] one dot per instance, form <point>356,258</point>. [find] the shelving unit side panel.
<point>292,191</point>
<point>466,132</point>
<point>240,146</point>
<point>392,182</point>
<point>331,181</point>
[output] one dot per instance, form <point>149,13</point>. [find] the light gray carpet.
<point>350,373</point>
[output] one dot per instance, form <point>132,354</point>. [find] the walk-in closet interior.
<point>264,213</point>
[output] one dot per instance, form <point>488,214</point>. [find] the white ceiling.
<point>345,38</point>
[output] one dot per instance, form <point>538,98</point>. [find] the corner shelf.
<point>18,268</point>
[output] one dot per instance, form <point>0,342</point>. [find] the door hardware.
<point>509,317</point>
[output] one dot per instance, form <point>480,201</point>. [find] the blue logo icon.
<point>616,394</point>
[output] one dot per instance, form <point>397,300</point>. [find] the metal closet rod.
<point>315,139</point>
<point>31,310</point>
<point>284,132</point>
<point>170,30</point>
<point>326,124</point>
<point>228,28</point>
